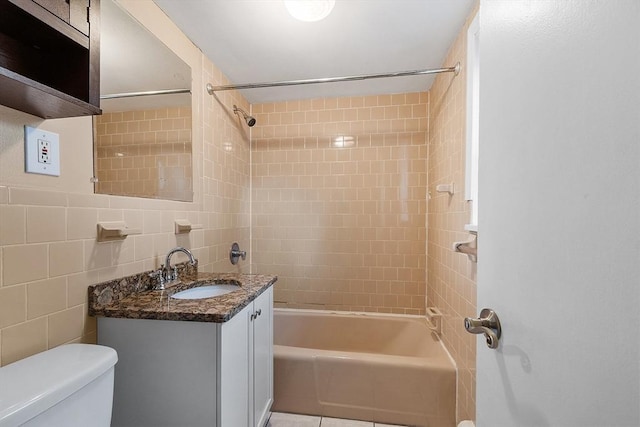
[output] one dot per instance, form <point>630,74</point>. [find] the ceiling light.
<point>309,10</point>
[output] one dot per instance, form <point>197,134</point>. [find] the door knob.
<point>487,324</point>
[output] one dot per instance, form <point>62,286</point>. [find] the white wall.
<point>559,223</point>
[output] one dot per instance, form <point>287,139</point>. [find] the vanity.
<point>189,360</point>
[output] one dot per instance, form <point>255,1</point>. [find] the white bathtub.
<point>373,367</point>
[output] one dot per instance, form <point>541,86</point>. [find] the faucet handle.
<point>159,277</point>
<point>168,273</point>
<point>236,253</point>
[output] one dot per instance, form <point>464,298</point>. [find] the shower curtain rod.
<point>147,93</point>
<point>455,69</point>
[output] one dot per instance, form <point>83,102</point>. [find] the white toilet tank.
<point>67,386</point>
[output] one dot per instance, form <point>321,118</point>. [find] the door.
<point>559,220</point>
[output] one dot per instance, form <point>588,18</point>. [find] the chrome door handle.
<point>487,324</point>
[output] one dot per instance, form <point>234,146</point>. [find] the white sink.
<point>205,292</point>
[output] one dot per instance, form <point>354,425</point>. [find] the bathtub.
<point>374,367</point>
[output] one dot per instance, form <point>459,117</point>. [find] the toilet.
<point>67,386</point>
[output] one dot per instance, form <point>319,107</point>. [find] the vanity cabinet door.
<point>245,368</point>
<point>165,375</point>
<point>262,358</point>
<point>245,365</point>
<point>233,370</point>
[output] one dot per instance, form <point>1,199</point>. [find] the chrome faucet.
<point>187,252</point>
<point>166,274</point>
<point>172,274</point>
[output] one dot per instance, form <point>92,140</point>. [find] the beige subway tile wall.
<point>451,277</point>
<point>226,174</point>
<point>48,249</point>
<point>339,201</point>
<point>145,153</point>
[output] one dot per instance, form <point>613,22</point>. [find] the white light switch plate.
<point>41,151</point>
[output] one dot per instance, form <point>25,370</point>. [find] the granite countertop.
<point>132,298</point>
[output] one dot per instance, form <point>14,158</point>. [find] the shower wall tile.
<point>451,277</point>
<point>339,201</point>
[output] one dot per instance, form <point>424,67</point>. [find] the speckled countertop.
<point>129,297</point>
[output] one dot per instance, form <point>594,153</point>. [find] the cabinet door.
<point>263,358</point>
<point>59,8</point>
<point>233,370</point>
<point>165,375</point>
<point>79,15</point>
<point>72,12</point>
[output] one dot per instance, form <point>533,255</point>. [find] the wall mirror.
<point>142,141</point>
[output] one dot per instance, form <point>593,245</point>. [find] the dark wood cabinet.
<point>50,57</point>
<point>73,12</point>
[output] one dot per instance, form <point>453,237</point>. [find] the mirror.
<point>142,141</point>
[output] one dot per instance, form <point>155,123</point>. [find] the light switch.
<point>41,151</point>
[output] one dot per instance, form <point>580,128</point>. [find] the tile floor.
<point>279,419</point>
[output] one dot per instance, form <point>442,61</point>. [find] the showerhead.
<point>247,118</point>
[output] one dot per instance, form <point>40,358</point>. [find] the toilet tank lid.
<point>33,385</point>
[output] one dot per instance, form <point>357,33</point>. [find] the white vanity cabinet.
<point>245,367</point>
<point>179,373</point>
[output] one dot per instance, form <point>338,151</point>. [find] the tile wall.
<point>339,201</point>
<point>451,277</point>
<point>145,153</point>
<point>48,252</point>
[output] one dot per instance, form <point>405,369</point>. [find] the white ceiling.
<point>255,41</point>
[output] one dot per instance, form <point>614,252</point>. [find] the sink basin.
<point>205,292</point>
